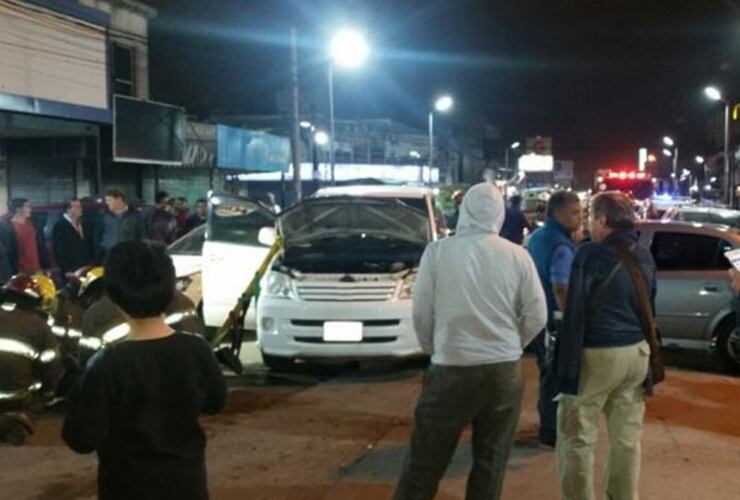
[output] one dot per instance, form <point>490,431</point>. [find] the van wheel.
<point>727,347</point>
<point>278,363</point>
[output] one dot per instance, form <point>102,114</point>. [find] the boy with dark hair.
<point>70,240</point>
<point>137,404</point>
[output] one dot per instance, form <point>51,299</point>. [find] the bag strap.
<point>644,308</point>
<point>599,293</point>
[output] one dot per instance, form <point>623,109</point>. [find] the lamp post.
<point>714,94</point>
<point>668,141</point>
<point>443,105</point>
<point>348,49</point>
<point>512,147</point>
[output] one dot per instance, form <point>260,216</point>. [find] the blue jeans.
<point>547,408</point>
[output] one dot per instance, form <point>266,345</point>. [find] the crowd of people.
<point>82,238</point>
<point>479,301</point>
<point>585,307</point>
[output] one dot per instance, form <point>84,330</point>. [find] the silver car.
<point>694,304</point>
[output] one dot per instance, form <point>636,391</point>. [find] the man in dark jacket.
<point>22,242</point>
<point>602,358</point>
<point>199,217</point>
<point>118,223</point>
<point>553,249</point>
<point>161,225</point>
<point>71,246</point>
<point>515,221</point>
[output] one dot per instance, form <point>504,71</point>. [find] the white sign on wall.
<point>536,163</point>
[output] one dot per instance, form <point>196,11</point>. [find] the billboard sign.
<point>254,151</point>
<point>147,132</point>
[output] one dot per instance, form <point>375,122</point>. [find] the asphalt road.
<point>341,433</point>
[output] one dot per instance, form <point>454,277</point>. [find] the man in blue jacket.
<point>552,250</point>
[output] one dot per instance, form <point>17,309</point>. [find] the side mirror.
<point>267,236</point>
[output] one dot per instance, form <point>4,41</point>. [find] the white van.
<point>342,287</point>
<point>233,249</point>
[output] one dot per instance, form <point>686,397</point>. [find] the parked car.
<point>694,303</point>
<point>711,215</point>
<point>342,287</point>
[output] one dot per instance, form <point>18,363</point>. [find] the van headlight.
<point>407,287</point>
<point>279,285</point>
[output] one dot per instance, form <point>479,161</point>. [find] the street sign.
<point>539,145</point>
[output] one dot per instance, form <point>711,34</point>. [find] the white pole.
<point>431,145</point>
<point>331,121</point>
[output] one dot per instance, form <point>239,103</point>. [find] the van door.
<point>231,254</point>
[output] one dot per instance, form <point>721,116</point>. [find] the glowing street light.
<point>443,104</point>
<point>651,158</point>
<point>668,141</point>
<point>699,159</point>
<point>514,146</point>
<point>667,152</point>
<point>321,138</point>
<point>305,124</point>
<point>415,155</point>
<point>347,49</point>
<point>714,94</point>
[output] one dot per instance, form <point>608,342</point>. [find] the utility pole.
<point>295,143</point>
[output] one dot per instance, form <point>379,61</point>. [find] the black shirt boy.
<point>137,404</point>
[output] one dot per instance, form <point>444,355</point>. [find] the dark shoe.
<point>547,442</point>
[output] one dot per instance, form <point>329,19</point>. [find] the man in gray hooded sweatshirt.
<point>477,303</point>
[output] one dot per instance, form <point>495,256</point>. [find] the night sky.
<point>600,76</point>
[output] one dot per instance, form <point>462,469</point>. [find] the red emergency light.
<point>628,175</point>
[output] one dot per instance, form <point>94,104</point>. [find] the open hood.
<point>347,216</point>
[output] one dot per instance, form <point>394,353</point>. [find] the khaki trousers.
<point>487,396</point>
<point>611,382</point>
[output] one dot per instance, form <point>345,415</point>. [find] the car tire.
<point>278,363</point>
<point>727,346</point>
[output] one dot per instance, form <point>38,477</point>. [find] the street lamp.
<point>443,104</point>
<point>668,153</point>
<point>321,138</point>
<point>668,141</point>
<point>714,94</point>
<point>415,155</point>
<point>348,49</point>
<point>514,145</point>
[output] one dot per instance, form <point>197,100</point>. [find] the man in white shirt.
<point>477,303</point>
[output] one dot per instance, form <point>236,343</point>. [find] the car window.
<point>237,220</point>
<point>674,251</point>
<point>190,244</point>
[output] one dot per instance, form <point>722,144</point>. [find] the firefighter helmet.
<point>23,288</point>
<point>91,281</point>
<point>47,288</point>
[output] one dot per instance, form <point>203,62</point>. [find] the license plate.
<point>342,331</point>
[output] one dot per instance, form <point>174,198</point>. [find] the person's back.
<point>478,304</point>
<point>151,393</point>
<point>138,402</point>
